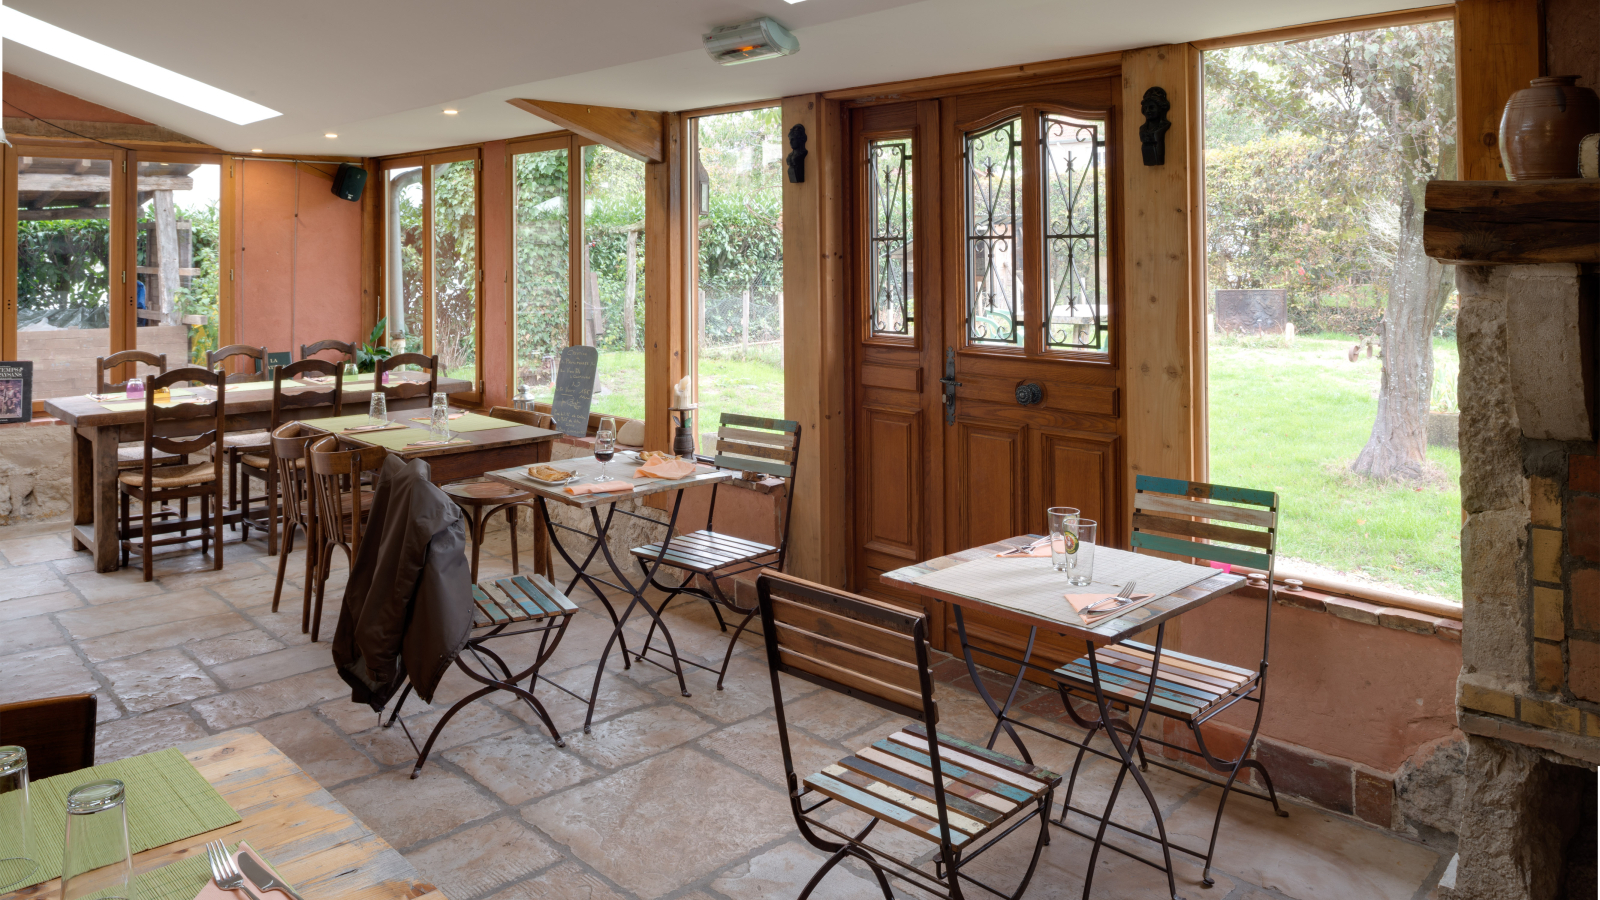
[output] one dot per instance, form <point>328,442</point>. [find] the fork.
<point>1015,551</point>
<point>1119,600</point>
<point>224,871</point>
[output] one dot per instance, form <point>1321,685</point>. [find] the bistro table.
<point>1043,606</point>
<point>307,835</point>
<point>587,471</point>
<point>97,429</point>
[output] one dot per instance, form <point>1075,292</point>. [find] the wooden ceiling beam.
<point>636,132</point>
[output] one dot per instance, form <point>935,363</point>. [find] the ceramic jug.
<point>1543,125</point>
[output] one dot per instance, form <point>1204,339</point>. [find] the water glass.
<point>351,372</point>
<point>605,443</point>
<point>96,863</point>
<point>378,408</point>
<point>1063,531</point>
<point>16,865</point>
<point>1080,562</point>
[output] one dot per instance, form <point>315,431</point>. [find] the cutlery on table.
<point>263,877</point>
<point>1017,551</point>
<point>1111,603</point>
<point>224,872</point>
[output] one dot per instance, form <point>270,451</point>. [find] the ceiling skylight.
<point>112,63</point>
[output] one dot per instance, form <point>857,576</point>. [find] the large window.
<point>432,268</point>
<point>541,266</point>
<point>739,289</point>
<point>612,314</point>
<point>179,263</point>
<point>1332,347</point>
<point>891,198</point>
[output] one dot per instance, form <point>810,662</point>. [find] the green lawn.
<point>753,387</point>
<point>1291,419</point>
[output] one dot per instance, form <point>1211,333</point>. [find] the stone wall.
<point>35,472</point>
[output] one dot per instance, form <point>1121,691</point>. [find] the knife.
<point>262,878</point>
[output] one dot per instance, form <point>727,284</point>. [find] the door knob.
<point>1029,394</point>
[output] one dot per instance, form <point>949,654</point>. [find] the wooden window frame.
<point>573,145</point>
<point>227,225</point>
<point>861,163</point>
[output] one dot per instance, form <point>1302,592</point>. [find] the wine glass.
<point>605,443</point>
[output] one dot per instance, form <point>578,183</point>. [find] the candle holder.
<point>683,433</point>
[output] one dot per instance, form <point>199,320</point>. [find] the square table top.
<point>512,434</point>
<point>1106,631</point>
<point>621,469</point>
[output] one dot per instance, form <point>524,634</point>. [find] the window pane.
<point>1074,228</point>
<point>889,202</point>
<point>613,272</point>
<point>178,259</point>
<point>63,270</point>
<point>455,268</point>
<point>403,259</point>
<point>994,235</point>
<point>740,292</point>
<point>540,273</point>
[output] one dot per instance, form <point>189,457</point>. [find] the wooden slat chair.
<point>152,484</point>
<point>1189,689</point>
<point>481,499</point>
<point>342,503</point>
<point>262,466</point>
<point>57,732</point>
<point>749,444</point>
<point>959,797</point>
<point>346,351</point>
<point>130,455</point>
<point>530,604</point>
<point>253,442</point>
<point>402,390</point>
<point>289,455</point>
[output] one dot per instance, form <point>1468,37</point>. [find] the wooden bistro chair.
<point>261,466</point>
<point>402,390</point>
<point>57,732</point>
<point>957,796</point>
<point>346,351</point>
<point>481,499</point>
<point>252,442</point>
<point>749,444</point>
<point>289,456</point>
<point>342,504</point>
<point>129,455</point>
<point>1188,689</point>
<point>153,484</point>
<point>528,604</point>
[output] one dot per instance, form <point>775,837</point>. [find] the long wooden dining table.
<point>98,429</point>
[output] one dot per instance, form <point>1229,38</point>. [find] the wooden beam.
<point>96,184</point>
<point>1329,27</point>
<point>22,126</point>
<point>666,341</point>
<point>1512,222</point>
<point>636,132</point>
<point>64,213</point>
<point>982,79</point>
<point>1497,53</point>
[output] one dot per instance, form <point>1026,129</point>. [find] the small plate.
<point>571,477</point>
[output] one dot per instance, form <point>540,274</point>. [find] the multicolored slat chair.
<point>534,606</point>
<point>1189,689</point>
<point>960,797</point>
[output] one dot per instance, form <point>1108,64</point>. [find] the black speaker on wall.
<point>348,182</point>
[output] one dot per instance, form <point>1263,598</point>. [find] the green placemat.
<point>248,386</point>
<point>339,423</point>
<point>395,439</point>
<point>131,405</point>
<point>181,880</point>
<point>469,422</point>
<point>167,800</point>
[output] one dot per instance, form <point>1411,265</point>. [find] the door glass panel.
<point>542,288</point>
<point>889,204</point>
<point>405,290</point>
<point>613,268</point>
<point>994,235</point>
<point>455,268</point>
<point>1074,228</point>
<point>63,270</point>
<point>177,259</point>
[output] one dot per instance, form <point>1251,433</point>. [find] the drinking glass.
<point>96,863</point>
<point>135,390</point>
<point>605,443</point>
<point>1063,522</point>
<point>15,863</point>
<point>378,408</point>
<point>351,372</point>
<point>1080,562</point>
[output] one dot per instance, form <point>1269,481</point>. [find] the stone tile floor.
<point>669,797</point>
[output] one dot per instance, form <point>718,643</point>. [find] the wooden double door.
<point>986,306</point>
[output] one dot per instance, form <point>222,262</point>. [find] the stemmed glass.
<point>96,862</point>
<point>605,443</point>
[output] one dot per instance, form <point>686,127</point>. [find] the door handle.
<point>949,384</point>
<point>1029,394</point>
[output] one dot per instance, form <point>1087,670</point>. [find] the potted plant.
<point>367,356</point>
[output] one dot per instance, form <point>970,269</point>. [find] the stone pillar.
<point>1518,812</point>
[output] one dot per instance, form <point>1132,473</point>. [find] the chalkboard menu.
<point>575,390</point>
<point>16,391</point>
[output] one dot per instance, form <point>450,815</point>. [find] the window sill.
<point>1442,625</point>
<point>1367,594</point>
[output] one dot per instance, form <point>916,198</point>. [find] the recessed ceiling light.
<point>451,112</point>
<point>112,63</point>
<point>330,135</point>
<point>255,149</point>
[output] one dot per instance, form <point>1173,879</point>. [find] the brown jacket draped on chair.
<point>408,604</point>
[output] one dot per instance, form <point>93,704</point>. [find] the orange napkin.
<point>1082,602</point>
<point>660,465</point>
<point>600,487</point>
<point>212,892</point>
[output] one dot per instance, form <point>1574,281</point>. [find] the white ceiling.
<point>378,72</point>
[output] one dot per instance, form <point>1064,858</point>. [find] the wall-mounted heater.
<point>763,38</point>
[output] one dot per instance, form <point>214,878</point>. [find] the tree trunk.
<point>631,291</point>
<point>163,299</point>
<point>1418,287</point>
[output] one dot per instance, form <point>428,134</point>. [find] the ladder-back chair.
<point>261,466</point>
<point>750,444</point>
<point>482,499</point>
<point>345,350</point>
<point>337,477</point>
<point>130,455</point>
<point>256,443</point>
<point>289,456</point>
<point>399,389</point>
<point>1188,689</point>
<point>957,796</point>
<point>152,484</point>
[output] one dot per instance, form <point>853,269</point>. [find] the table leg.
<point>105,500</point>
<point>649,576</point>
<point>1001,721</point>
<point>82,484</point>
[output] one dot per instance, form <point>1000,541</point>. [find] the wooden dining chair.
<point>57,732</point>
<point>398,389</point>
<point>129,455</point>
<point>243,442</point>
<point>959,797</point>
<point>261,466</point>
<point>346,351</point>
<point>481,499</point>
<point>342,504</point>
<point>289,455</point>
<point>152,484</point>
<point>749,444</point>
<point>1240,528</point>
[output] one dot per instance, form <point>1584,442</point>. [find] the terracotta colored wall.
<point>1365,693</point>
<point>496,224</point>
<point>49,103</point>
<point>293,293</point>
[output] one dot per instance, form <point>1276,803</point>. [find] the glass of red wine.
<point>605,443</point>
